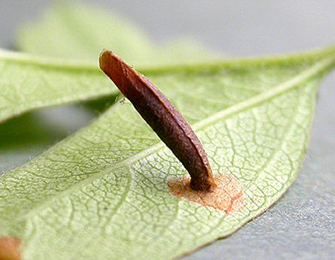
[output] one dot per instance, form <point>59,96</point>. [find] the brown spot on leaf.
<point>9,248</point>
<point>226,196</point>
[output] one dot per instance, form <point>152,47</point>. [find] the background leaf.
<point>78,32</point>
<point>103,192</point>
<point>29,83</point>
<point>82,32</point>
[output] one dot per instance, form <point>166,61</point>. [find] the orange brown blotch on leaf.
<point>226,196</point>
<point>9,248</point>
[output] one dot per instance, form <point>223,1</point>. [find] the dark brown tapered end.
<point>206,184</point>
<point>117,70</point>
<point>163,118</point>
<point>105,60</point>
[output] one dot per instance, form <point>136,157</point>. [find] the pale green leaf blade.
<point>81,31</point>
<point>103,192</point>
<point>29,83</point>
<point>74,31</point>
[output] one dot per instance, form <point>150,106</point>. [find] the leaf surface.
<point>76,32</point>
<point>103,192</point>
<point>28,83</point>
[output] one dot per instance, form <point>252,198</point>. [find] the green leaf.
<point>82,31</point>
<point>103,193</point>
<point>79,32</point>
<point>28,83</point>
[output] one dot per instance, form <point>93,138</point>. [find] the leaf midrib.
<point>318,54</point>
<point>316,69</point>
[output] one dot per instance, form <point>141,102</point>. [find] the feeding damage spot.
<point>9,248</point>
<point>226,196</point>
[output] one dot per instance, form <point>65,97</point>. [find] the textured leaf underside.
<point>103,192</point>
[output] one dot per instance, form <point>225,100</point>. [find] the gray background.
<point>302,224</point>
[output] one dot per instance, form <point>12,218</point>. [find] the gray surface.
<point>302,224</point>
